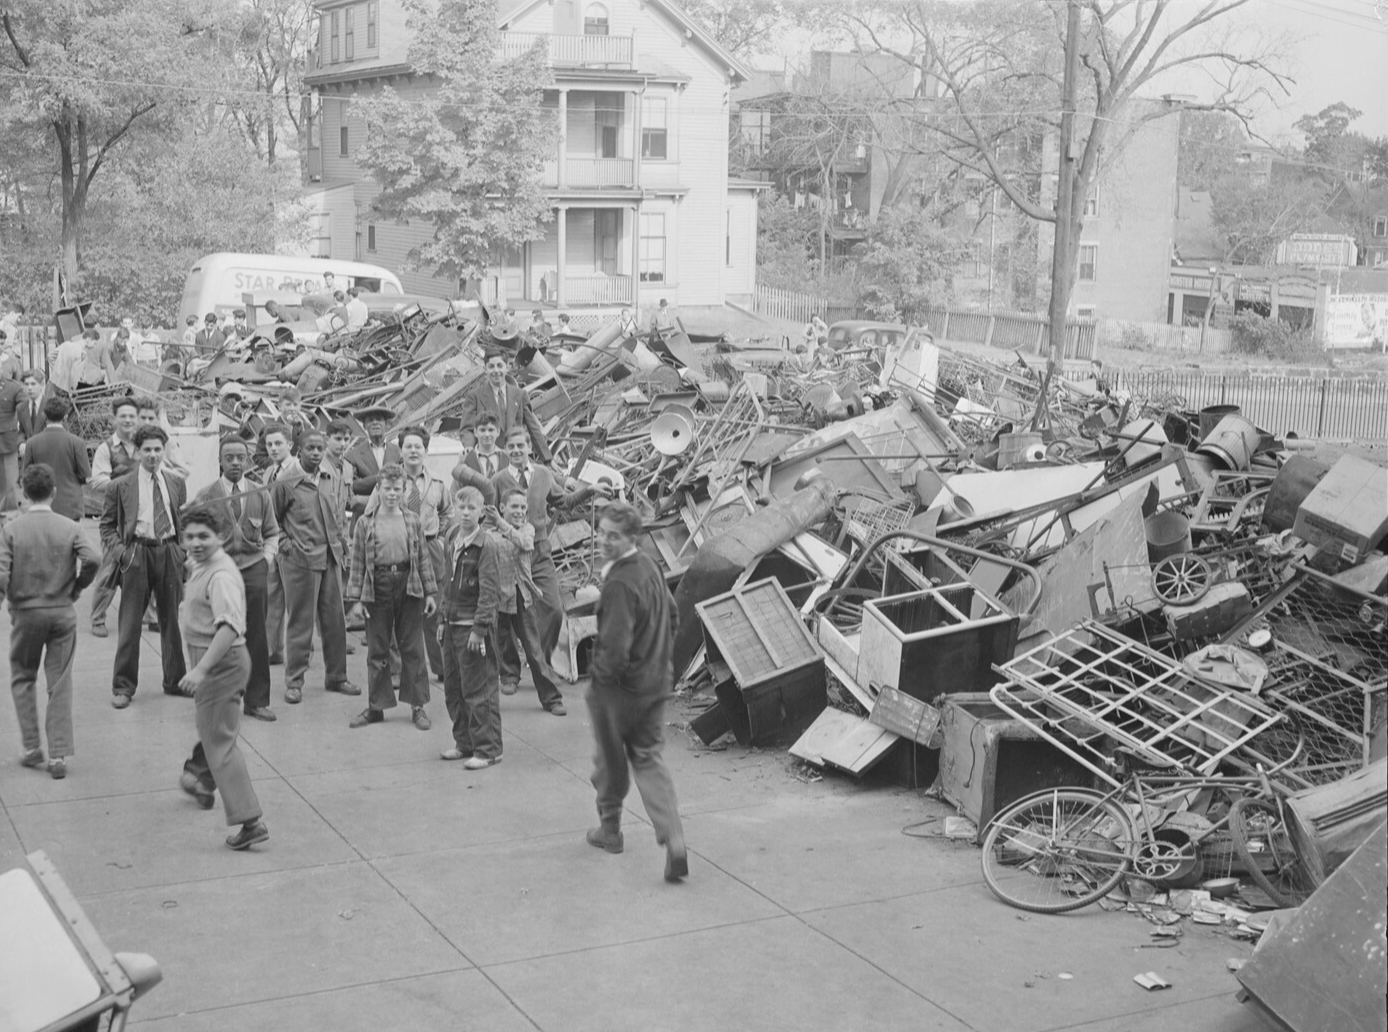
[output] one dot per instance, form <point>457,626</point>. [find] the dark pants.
<point>217,761</point>
<point>521,627</point>
<point>472,694</point>
<point>549,607</point>
<point>395,616</point>
<point>274,612</point>
<point>630,729</point>
<point>431,623</point>
<point>9,476</point>
<point>255,577</point>
<point>149,571</point>
<point>309,593</point>
<point>48,635</point>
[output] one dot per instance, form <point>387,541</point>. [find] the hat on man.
<point>374,412</point>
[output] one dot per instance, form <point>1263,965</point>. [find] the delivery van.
<point>217,282</point>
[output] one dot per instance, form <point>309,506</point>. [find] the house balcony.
<point>572,51</point>
<point>586,173</point>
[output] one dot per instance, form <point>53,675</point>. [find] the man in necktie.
<point>252,542</point>
<point>282,465</point>
<point>496,394</point>
<point>483,461</point>
<point>141,518</point>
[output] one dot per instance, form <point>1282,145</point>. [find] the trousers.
<point>104,587</point>
<point>431,623</point>
<point>309,594</point>
<point>256,579</point>
<point>149,571</point>
<point>628,734</point>
<point>9,470</point>
<point>50,636</point>
<point>217,761</point>
<point>549,607</point>
<point>274,611</point>
<point>472,693</point>
<point>395,616</point>
<point>522,628</point>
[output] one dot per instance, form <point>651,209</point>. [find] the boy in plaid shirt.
<point>394,576</point>
<point>516,618</point>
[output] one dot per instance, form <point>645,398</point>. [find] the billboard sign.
<point>1356,321</point>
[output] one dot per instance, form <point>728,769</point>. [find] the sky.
<point>1336,50</point>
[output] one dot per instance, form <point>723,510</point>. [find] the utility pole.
<point>1062,264</point>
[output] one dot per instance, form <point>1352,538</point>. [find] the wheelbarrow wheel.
<point>1183,579</point>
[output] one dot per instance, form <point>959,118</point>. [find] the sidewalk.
<point>400,892</point>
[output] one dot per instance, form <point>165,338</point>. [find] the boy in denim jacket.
<point>471,686</point>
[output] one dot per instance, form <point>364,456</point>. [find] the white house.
<point>644,208</point>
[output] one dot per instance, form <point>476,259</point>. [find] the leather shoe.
<point>606,838</point>
<point>120,701</point>
<point>508,688</point>
<point>33,758</point>
<point>676,863</point>
<point>57,769</point>
<point>99,631</point>
<point>455,754</point>
<point>351,648</point>
<point>558,709</point>
<point>481,762</point>
<point>194,788</point>
<point>261,713</point>
<point>421,719</point>
<point>367,716</point>
<point>184,693</point>
<point>251,832</point>
<point>293,695</point>
<point>345,688</point>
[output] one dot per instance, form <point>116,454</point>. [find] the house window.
<point>342,143</point>
<point>356,246</point>
<point>1084,311</point>
<point>652,247</point>
<point>334,36</point>
<point>1380,225</point>
<point>372,20</point>
<point>1091,205</point>
<point>1089,257</point>
<point>595,20</point>
<point>370,237</point>
<point>349,47</point>
<point>654,140</point>
<point>728,238</point>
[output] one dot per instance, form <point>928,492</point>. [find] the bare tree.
<point>1001,80</point>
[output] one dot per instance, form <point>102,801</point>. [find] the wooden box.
<point>930,643</point>
<point>775,685</point>
<point>989,760</point>
<point>1347,512</point>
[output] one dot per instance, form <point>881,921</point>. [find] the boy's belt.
<point>392,567</point>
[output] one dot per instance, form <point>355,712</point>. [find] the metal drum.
<point>1232,443</point>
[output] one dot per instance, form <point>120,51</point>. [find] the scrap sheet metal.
<point>1089,683</point>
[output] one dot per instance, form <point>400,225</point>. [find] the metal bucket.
<point>1212,414</point>
<point>1168,533</point>
<point>1232,443</point>
<point>1013,448</point>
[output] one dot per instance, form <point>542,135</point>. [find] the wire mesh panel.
<point>1090,682</point>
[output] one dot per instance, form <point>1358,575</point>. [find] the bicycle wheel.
<point>1057,850</point>
<point>1264,844</point>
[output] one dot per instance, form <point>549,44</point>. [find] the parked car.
<point>855,334</point>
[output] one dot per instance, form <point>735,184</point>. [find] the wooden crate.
<point>776,685</point>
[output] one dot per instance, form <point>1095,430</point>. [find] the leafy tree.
<point>1328,140</point>
<point>785,236</point>
<point>464,153</point>
<point>269,43</point>
<point>742,27</point>
<point>90,76</point>
<point>905,266</point>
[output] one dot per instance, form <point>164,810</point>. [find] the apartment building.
<point>643,204</point>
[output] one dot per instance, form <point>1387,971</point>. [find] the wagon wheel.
<point>1181,579</point>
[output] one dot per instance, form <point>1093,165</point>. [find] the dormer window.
<point>595,20</point>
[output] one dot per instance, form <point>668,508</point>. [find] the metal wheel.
<point>1179,580</point>
<point>1264,843</point>
<point>1057,850</point>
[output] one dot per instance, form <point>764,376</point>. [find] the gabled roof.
<point>509,10</point>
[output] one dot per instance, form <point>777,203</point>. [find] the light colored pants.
<point>49,635</point>
<point>9,466</point>
<point>629,729</point>
<point>218,703</point>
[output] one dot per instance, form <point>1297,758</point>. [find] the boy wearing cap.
<point>392,575</point>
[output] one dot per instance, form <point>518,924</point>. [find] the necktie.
<point>416,500</point>
<point>163,526</point>
<point>236,501</point>
<point>524,480</point>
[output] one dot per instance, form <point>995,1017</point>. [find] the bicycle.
<point>1061,849</point>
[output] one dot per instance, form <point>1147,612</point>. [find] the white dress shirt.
<point>144,522</point>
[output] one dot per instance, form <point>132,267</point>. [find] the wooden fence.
<point>1019,331</point>
<point>1334,407</point>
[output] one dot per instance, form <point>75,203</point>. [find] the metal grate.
<point>1090,682</point>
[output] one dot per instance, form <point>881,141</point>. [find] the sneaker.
<point>33,758</point>
<point>481,762</point>
<point>509,687</point>
<point>420,718</point>
<point>120,701</point>
<point>367,716</point>
<point>455,754</point>
<point>344,688</point>
<point>57,769</point>
<point>261,713</point>
<point>251,832</point>
<point>293,696</point>
<point>99,631</point>
<point>606,838</point>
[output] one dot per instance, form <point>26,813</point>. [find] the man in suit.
<point>142,519</point>
<point>282,466</point>
<point>31,417</point>
<point>483,461</point>
<point>65,454</point>
<point>252,542</point>
<point>367,458</point>
<point>503,399</point>
<point>208,339</point>
<point>12,399</point>
<point>311,556</point>
<point>113,459</point>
